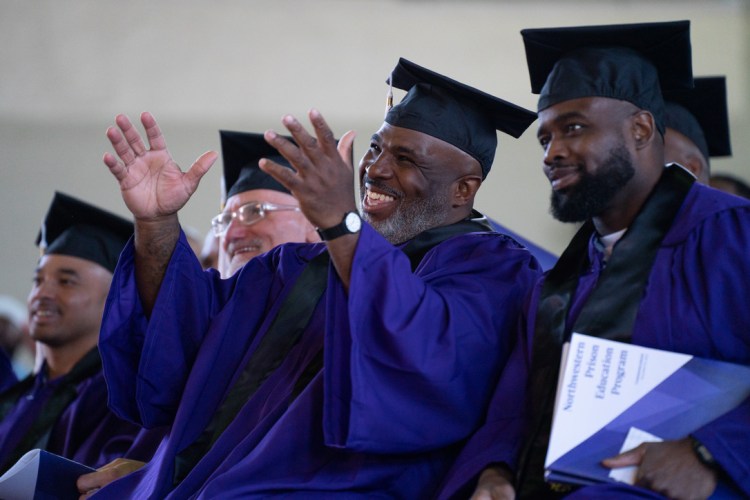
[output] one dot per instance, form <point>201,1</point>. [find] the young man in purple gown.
<point>63,407</point>
<point>661,261</point>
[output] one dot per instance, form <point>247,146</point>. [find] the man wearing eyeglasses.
<point>259,213</point>
<point>350,368</point>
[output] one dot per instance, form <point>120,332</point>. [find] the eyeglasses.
<point>248,214</point>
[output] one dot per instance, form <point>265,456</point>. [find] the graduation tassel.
<point>389,96</point>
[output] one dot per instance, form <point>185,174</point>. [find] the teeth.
<point>246,249</point>
<point>44,313</point>
<point>379,197</point>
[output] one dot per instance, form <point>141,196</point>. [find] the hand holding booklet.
<point>612,396</point>
<point>41,475</point>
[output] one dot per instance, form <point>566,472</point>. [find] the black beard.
<point>412,217</point>
<point>593,192</point>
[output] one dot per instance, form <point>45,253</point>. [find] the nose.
<point>554,151</point>
<point>379,168</point>
<point>42,289</point>
<point>235,230</point>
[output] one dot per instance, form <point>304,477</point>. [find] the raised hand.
<point>152,184</point>
<point>323,181</point>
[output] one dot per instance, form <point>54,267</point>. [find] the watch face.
<point>353,222</point>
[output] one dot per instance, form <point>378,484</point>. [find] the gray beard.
<point>412,218</point>
<point>594,192</point>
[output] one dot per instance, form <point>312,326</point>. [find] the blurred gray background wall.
<point>67,67</point>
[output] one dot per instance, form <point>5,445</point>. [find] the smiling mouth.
<point>246,249</point>
<point>375,199</point>
<point>377,195</point>
<point>44,313</point>
<point>561,178</point>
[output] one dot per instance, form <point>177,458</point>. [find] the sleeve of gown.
<point>146,362</point>
<point>723,289</point>
<point>89,433</point>
<point>411,358</point>
<point>499,439</point>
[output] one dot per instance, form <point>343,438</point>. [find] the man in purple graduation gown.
<point>63,408</point>
<point>269,216</point>
<point>390,371</point>
<point>661,261</point>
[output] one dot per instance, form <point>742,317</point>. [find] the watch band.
<point>704,456</point>
<point>350,224</point>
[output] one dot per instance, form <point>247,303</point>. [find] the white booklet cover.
<point>609,392</point>
<point>41,475</point>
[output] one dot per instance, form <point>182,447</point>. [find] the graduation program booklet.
<point>41,475</point>
<point>612,396</point>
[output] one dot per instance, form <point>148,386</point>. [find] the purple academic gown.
<point>545,258</point>
<point>696,302</point>
<point>410,362</point>
<point>86,431</point>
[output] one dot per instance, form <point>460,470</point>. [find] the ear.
<point>697,166</point>
<point>465,188</point>
<point>643,128</point>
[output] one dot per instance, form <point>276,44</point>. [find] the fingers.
<point>309,148</point>
<point>127,142</point>
<point>153,132</point>
<point>323,132</point>
<point>119,143</point>
<point>88,483</point>
<point>116,167</point>
<point>131,134</point>
<point>96,480</point>
<point>286,177</point>
<point>627,458</point>
<point>286,148</point>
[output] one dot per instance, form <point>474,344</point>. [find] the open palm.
<point>152,184</point>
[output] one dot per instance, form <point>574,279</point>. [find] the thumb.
<point>346,147</point>
<point>627,458</point>
<point>199,168</point>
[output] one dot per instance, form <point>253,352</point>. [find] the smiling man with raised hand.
<point>660,261</point>
<point>313,380</point>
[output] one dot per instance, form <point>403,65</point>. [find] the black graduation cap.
<point>73,227</point>
<point>453,112</point>
<point>630,62</point>
<point>701,115</point>
<point>241,152</point>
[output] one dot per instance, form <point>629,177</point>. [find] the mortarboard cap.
<point>629,62</point>
<point>701,115</point>
<point>241,152</point>
<point>453,112</point>
<point>73,227</point>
